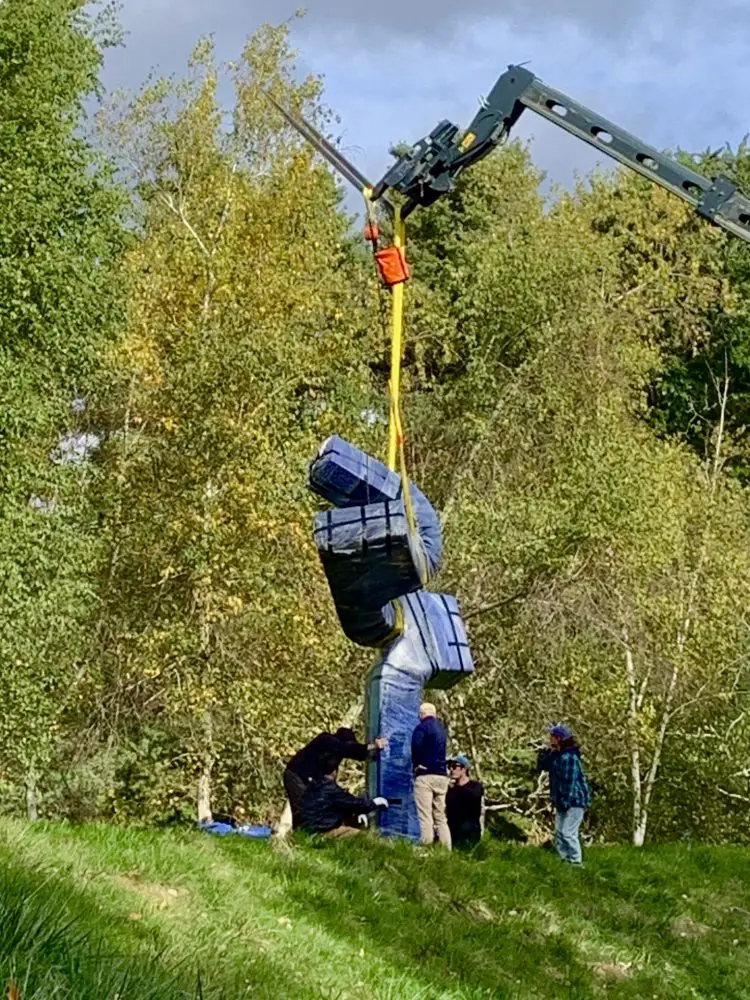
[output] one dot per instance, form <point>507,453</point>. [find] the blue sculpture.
<point>377,566</point>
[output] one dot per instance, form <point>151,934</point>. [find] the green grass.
<point>102,912</point>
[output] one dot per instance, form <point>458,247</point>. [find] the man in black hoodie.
<point>328,808</point>
<point>428,745</point>
<point>309,763</point>
<point>463,805</point>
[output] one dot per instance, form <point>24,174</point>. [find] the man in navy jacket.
<point>428,746</point>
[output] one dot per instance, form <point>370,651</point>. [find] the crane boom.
<point>429,169</point>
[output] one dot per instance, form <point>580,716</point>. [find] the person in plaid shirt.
<point>569,790</point>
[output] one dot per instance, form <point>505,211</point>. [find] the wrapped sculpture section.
<point>369,555</point>
<point>376,569</point>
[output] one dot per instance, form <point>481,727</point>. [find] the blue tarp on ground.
<point>227,830</point>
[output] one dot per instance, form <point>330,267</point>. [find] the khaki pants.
<point>429,794</point>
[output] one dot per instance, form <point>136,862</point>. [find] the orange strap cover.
<point>392,266</point>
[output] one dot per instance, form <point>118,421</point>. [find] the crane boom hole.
<point>647,161</point>
<point>602,135</point>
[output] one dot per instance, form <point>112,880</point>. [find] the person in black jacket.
<point>428,744</point>
<point>310,762</point>
<point>463,804</point>
<point>328,808</point>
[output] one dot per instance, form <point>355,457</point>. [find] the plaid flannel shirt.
<point>568,786</point>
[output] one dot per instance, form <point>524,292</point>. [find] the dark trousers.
<point>465,834</point>
<point>295,788</point>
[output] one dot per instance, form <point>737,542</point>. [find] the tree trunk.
<point>205,815</point>
<point>641,823</point>
<point>635,749</point>
<point>32,812</point>
<point>285,822</point>
<point>639,834</point>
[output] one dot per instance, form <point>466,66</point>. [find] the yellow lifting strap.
<point>395,437</point>
<point>396,450</point>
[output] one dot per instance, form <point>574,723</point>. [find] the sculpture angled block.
<point>376,569</point>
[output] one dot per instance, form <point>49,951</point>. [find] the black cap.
<point>347,735</point>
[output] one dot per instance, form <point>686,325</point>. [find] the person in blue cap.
<point>569,790</point>
<point>463,804</point>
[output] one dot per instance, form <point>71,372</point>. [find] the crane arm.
<point>431,167</point>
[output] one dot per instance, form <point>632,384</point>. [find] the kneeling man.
<point>329,809</point>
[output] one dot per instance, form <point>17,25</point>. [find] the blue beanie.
<point>561,732</point>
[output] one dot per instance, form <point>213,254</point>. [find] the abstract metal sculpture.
<point>379,547</point>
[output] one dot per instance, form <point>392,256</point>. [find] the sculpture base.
<point>392,701</point>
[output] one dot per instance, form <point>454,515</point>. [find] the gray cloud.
<point>439,18</point>
<point>425,19</point>
<point>158,27</point>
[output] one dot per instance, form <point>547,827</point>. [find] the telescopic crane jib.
<point>430,168</point>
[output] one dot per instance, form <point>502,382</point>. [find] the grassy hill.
<point>105,913</point>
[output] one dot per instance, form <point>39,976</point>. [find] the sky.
<point>671,72</point>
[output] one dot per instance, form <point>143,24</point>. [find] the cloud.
<point>437,19</point>
<point>669,99</point>
<point>364,22</point>
<point>422,19</point>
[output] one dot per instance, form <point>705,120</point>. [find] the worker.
<point>305,766</point>
<point>569,790</point>
<point>463,803</point>
<point>428,745</point>
<point>328,808</point>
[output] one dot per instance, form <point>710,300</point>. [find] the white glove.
<point>362,820</point>
<point>380,802</point>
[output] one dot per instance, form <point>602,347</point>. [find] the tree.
<point>595,578</point>
<point>683,397</point>
<point>61,237</point>
<point>248,344</point>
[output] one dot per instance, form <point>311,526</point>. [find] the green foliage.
<point>576,401</point>
<point>247,344</point>
<point>684,396</point>
<point>602,570</point>
<point>61,239</point>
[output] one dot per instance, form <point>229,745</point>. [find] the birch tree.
<point>595,579</point>
<point>248,345</point>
